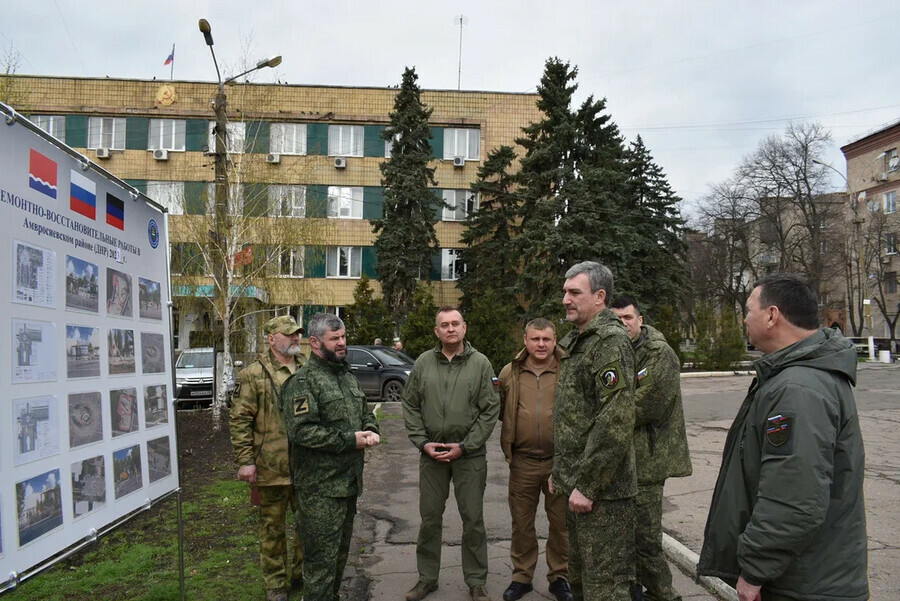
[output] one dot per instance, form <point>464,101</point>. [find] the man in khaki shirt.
<point>527,387</point>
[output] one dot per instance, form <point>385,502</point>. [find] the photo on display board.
<point>121,351</point>
<point>149,299</point>
<point>127,471</point>
<point>82,285</point>
<point>36,427</point>
<point>39,504</point>
<point>156,406</point>
<point>153,355</point>
<point>159,460</point>
<point>33,351</point>
<point>82,352</point>
<point>35,269</point>
<point>118,293</point>
<point>85,419</point>
<point>88,485</point>
<point>123,411</point>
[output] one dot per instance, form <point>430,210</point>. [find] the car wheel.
<point>393,391</point>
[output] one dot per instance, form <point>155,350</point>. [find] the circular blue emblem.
<point>153,233</point>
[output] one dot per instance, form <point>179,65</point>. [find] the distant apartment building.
<point>307,159</point>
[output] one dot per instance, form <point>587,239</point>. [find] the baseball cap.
<point>283,324</point>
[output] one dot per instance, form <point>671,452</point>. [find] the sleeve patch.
<point>642,374</point>
<point>778,430</point>
<point>610,378</point>
<point>301,406</point>
<point>237,388</point>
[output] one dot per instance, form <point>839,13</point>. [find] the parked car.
<point>195,373</point>
<point>382,371</point>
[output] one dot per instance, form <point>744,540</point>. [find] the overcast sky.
<point>702,81</point>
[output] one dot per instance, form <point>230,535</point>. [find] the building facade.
<point>303,172</point>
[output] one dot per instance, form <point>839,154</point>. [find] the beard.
<point>330,355</point>
<point>291,350</point>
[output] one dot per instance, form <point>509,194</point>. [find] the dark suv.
<point>382,371</point>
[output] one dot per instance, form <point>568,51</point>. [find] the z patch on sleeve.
<point>301,406</point>
<point>778,430</point>
<point>237,389</point>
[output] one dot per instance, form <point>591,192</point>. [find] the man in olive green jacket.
<point>660,443</point>
<point>593,432</point>
<point>787,518</point>
<point>261,450</point>
<point>450,406</point>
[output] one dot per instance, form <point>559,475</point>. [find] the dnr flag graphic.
<point>83,195</point>
<point>42,174</point>
<point>115,211</point>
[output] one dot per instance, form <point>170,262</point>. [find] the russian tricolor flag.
<point>115,211</point>
<point>83,196</point>
<point>171,58</point>
<point>42,174</point>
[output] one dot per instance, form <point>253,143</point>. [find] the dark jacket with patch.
<point>660,442</point>
<point>593,412</point>
<point>323,408</point>
<point>787,511</point>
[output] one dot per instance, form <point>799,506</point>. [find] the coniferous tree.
<point>367,318</point>
<point>417,332</point>
<point>406,237</point>
<point>491,327</point>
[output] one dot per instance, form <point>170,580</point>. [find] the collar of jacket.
<point>270,363</point>
<point>337,367</point>
<point>468,349</point>
<point>522,355</point>
<point>604,318</point>
<point>648,334</point>
<point>825,349</point>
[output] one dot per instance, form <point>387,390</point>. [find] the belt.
<point>538,457</point>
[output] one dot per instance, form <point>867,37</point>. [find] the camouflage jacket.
<point>257,429</point>
<point>323,408</point>
<point>660,441</point>
<point>593,412</point>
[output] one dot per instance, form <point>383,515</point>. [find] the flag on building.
<point>83,195</point>
<point>42,174</point>
<point>115,211</point>
<point>171,58</point>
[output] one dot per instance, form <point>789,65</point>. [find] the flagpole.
<point>172,68</point>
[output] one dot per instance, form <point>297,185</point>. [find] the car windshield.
<point>191,360</point>
<point>390,356</point>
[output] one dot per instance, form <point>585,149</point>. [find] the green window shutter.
<point>373,145</point>
<point>195,198</point>
<point>439,204</point>
<point>139,184</point>
<point>314,262</point>
<point>76,130</point>
<point>258,137</point>
<point>373,202</point>
<point>317,201</point>
<point>317,139</point>
<point>196,134</point>
<point>256,200</point>
<point>137,133</point>
<point>435,275</point>
<point>309,311</point>
<point>369,262</point>
<point>437,142</point>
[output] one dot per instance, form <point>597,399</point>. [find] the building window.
<point>287,201</point>
<point>463,143</point>
<point>55,125</point>
<point>451,264</point>
<point>343,261</point>
<point>287,138</point>
<point>345,202</point>
<point>459,205</point>
<point>106,132</point>
<point>166,134</point>
<point>890,202</point>
<point>234,137</point>
<point>389,146</point>
<point>168,194</point>
<point>290,261</point>
<point>340,311</point>
<point>234,199</point>
<point>890,282</point>
<point>345,140</point>
<point>891,160</point>
<point>890,244</point>
<point>187,259</point>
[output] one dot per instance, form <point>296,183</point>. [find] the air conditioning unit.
<point>459,162</point>
<point>340,163</point>
<point>883,177</point>
<point>273,158</point>
<point>103,153</point>
<point>886,259</point>
<point>161,154</point>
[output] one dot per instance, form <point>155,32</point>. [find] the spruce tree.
<point>417,332</point>
<point>367,318</point>
<point>406,237</point>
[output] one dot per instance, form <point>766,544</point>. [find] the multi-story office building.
<point>303,165</point>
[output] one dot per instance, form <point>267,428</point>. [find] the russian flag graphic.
<point>83,196</point>
<point>42,174</point>
<point>115,211</point>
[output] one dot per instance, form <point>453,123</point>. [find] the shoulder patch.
<point>778,430</point>
<point>301,405</point>
<point>610,378</point>
<point>237,388</point>
<point>641,374</point>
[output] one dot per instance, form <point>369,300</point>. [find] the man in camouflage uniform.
<point>261,450</point>
<point>660,444</point>
<point>328,424</point>
<point>593,428</point>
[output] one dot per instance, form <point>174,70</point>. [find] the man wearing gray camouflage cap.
<point>261,451</point>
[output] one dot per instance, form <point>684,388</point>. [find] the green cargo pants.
<point>326,525</point>
<point>273,557</point>
<point>601,551</point>
<point>652,567</point>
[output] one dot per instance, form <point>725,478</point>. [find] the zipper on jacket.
<point>539,416</point>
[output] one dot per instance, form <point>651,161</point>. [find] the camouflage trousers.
<point>652,569</point>
<point>601,551</point>
<point>273,557</point>
<point>326,526</point>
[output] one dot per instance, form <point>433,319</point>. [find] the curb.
<point>687,560</point>
<point>715,374</point>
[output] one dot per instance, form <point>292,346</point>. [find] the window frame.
<point>889,206</point>
<point>166,197</point>
<point>891,160</point>
<point>298,148</point>
<point>890,244</point>
<point>178,134</point>
<point>452,143</point>
<point>48,123</point>
<point>235,130</point>
<point>97,134</point>
<point>335,200</point>
<point>354,262</point>
<point>468,196</point>
<point>356,147</point>
<point>295,255</point>
<point>890,282</point>
<point>235,199</point>
<point>452,266</point>
<point>278,193</point>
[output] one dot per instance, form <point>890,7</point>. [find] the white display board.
<point>87,424</point>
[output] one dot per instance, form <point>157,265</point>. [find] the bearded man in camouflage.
<point>329,425</point>
<point>593,428</point>
<point>261,450</point>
